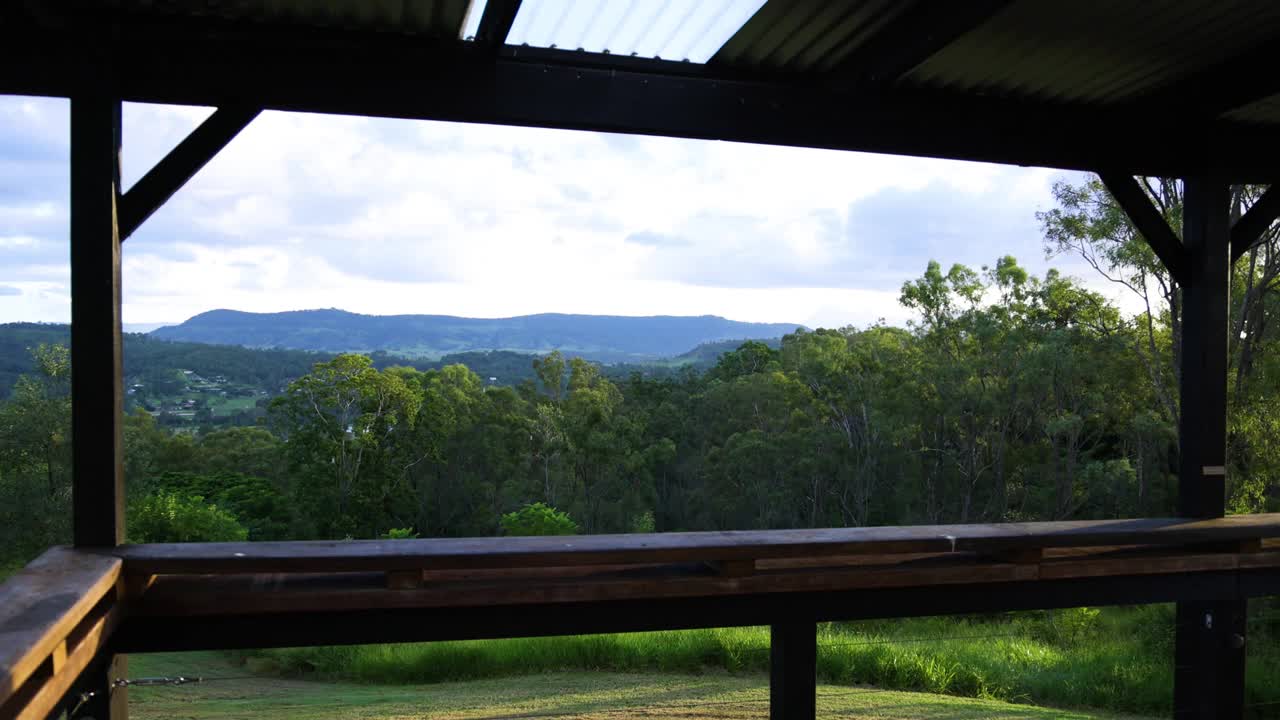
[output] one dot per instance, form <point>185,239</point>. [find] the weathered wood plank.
<point>1268,557</point>
<point>42,605</point>
<point>205,595</point>
<point>202,595</point>
<point>45,698</point>
<point>1138,564</point>
<point>474,553</point>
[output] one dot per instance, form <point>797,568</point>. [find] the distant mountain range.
<point>605,338</point>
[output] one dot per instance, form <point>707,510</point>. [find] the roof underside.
<point>1178,88</point>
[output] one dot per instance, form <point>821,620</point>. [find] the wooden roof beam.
<point>1248,230</point>
<point>1147,219</point>
<point>912,37</point>
<point>496,22</point>
<point>180,165</point>
<point>461,82</point>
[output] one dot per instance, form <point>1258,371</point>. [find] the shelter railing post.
<point>93,697</point>
<point>97,399</point>
<point>793,663</point>
<point>1209,654</point>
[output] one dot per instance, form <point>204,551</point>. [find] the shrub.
<point>538,519</point>
<point>177,517</point>
<point>255,502</point>
<point>642,523</point>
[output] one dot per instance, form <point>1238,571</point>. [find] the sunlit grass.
<point>1118,660</point>
<point>561,695</point>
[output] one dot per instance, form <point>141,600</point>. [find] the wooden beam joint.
<point>1249,230</point>
<point>181,164</point>
<point>1131,198</point>
<point>495,23</point>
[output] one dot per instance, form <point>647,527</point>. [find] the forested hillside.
<point>1012,397</point>
<point>146,357</point>
<point>602,338</point>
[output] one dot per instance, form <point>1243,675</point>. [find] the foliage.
<point>399,534</point>
<point>1009,396</point>
<point>1119,659</point>
<point>175,517</point>
<point>35,458</point>
<point>339,421</point>
<point>538,519</point>
<point>261,507</point>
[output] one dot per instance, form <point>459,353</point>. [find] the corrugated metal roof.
<point>1083,52</point>
<point>1034,49</point>
<point>432,18</point>
<point>1263,112</point>
<point>690,30</point>
<point>805,35</point>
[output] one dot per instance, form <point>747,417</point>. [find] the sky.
<point>393,216</point>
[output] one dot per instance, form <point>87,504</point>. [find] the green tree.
<point>35,457</point>
<point>1089,223</point>
<point>538,519</point>
<point>170,517</point>
<point>338,422</point>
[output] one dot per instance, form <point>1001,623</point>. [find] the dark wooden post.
<point>793,664</point>
<point>1206,293</point>
<point>97,402</point>
<point>1209,654</point>
<point>97,409</point>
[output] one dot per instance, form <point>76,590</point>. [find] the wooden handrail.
<point>55,616</point>
<point>562,551</point>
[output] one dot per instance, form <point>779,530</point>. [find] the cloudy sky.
<point>391,216</point>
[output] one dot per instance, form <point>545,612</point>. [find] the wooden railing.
<point>290,577</point>
<point>56,615</point>
<point>59,613</point>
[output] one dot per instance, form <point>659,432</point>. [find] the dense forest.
<point>1011,397</point>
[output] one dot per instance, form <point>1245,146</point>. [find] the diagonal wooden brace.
<point>180,165</point>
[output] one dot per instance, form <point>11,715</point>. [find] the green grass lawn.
<point>1114,660</point>
<point>561,695</point>
<point>223,407</point>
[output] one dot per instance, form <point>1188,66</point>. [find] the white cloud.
<point>383,216</point>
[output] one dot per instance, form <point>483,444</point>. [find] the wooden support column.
<point>793,663</point>
<point>97,393</point>
<point>97,397</point>
<point>1209,647</point>
<point>1206,294</point>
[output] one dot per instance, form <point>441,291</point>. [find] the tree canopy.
<point>1010,396</point>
